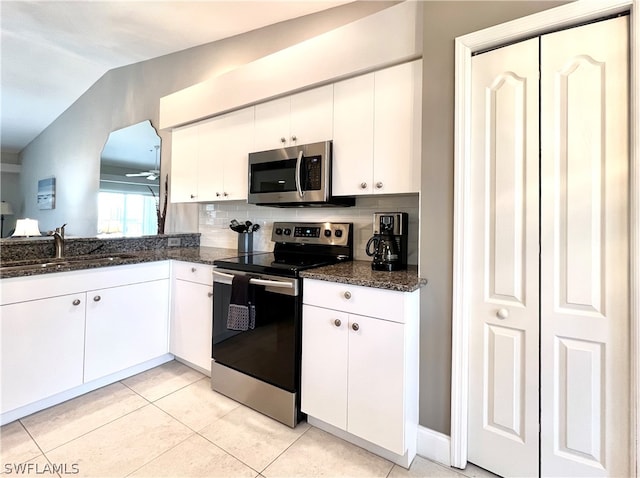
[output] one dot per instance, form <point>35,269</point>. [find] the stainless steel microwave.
<point>295,176</point>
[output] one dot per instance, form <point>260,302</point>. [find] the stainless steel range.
<point>257,316</point>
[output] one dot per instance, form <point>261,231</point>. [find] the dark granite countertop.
<point>30,267</point>
<point>360,273</point>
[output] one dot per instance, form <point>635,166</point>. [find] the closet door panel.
<point>503,304</point>
<point>584,242</point>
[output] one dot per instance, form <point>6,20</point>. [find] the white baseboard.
<point>434,446</point>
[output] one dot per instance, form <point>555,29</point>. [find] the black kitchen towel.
<point>242,312</point>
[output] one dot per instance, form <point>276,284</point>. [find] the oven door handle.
<point>264,282</point>
<point>298,178</point>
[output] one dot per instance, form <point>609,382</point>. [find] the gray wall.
<point>70,147</point>
<point>443,22</point>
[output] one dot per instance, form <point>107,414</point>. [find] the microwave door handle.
<point>298,179</point>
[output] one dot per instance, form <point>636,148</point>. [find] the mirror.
<point>129,191</point>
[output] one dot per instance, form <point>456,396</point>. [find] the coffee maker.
<point>388,246</point>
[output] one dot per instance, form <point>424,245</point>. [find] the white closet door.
<point>503,303</point>
<point>584,275</point>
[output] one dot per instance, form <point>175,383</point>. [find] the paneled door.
<point>585,251</point>
<point>503,381</point>
<point>549,304</point>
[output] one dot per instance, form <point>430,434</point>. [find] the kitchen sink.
<point>64,262</point>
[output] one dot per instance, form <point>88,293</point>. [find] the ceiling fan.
<point>151,174</point>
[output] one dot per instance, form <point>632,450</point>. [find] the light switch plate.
<point>173,242</point>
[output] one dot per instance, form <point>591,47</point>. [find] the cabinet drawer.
<point>354,299</point>
<point>193,272</point>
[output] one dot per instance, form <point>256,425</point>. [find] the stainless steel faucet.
<point>58,239</point>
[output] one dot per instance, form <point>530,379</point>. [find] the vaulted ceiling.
<point>51,52</point>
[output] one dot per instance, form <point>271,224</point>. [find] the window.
<point>126,214</point>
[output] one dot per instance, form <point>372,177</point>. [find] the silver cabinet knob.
<point>363,185</point>
<point>502,314</point>
<point>379,185</point>
<point>209,294</point>
<point>283,140</point>
<point>337,322</point>
<point>193,269</point>
<point>217,194</point>
<point>193,196</point>
<point>76,302</point>
<point>347,295</point>
<point>97,298</point>
<point>355,326</point>
<point>294,138</point>
<point>225,194</point>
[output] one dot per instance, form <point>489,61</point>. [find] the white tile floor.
<point>167,422</point>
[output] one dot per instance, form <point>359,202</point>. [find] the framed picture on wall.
<point>47,193</point>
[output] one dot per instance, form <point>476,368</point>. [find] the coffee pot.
<point>388,246</point>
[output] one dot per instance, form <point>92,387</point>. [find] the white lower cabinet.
<point>125,326</point>
<point>192,314</point>
<point>41,348</point>
<point>360,372</point>
<point>62,331</point>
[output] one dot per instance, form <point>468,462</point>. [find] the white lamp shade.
<point>6,209</point>
<point>26,228</point>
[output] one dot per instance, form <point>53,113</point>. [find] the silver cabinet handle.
<point>502,314</point>
<point>76,302</point>
<point>363,185</point>
<point>355,326</point>
<point>209,294</point>
<point>337,322</point>
<point>347,295</point>
<point>379,185</point>
<point>97,298</point>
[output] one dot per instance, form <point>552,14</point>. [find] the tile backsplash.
<point>214,221</point>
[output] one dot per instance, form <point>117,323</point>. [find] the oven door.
<point>271,351</point>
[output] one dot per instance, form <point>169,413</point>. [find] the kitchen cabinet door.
<point>210,180</point>
<point>41,348</point>
<point>376,382</point>
<point>302,118</point>
<point>396,130</point>
<point>352,171</point>
<point>324,365</point>
<point>311,116</point>
<point>191,323</point>
<point>126,326</point>
<point>272,122</point>
<point>236,140</point>
<point>184,164</point>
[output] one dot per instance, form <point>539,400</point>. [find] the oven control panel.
<point>327,233</point>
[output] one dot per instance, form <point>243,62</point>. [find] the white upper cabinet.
<point>209,159</point>
<point>353,136</point>
<point>225,142</point>
<point>377,125</point>
<point>302,118</point>
<point>184,164</point>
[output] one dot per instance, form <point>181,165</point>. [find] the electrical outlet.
<point>173,242</point>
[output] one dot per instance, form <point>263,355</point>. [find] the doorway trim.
<point>543,22</point>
